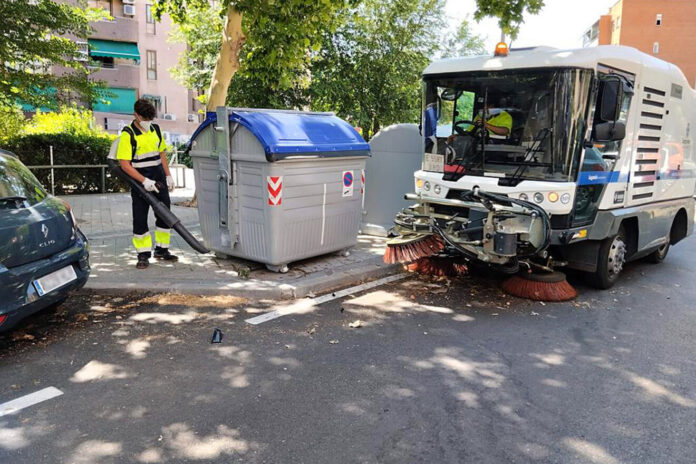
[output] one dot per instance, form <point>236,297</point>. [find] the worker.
<point>498,123</point>
<point>142,155</point>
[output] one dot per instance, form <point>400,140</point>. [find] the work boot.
<point>163,254</point>
<point>143,261</point>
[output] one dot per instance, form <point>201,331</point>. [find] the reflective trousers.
<point>142,240</point>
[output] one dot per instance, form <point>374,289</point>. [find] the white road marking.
<point>306,304</point>
<point>31,399</point>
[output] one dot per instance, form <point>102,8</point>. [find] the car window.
<point>18,181</point>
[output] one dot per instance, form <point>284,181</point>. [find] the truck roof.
<point>622,57</point>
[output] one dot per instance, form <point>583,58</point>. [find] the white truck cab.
<point>544,157</point>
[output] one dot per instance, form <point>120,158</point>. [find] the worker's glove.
<point>150,185</point>
<point>170,183</point>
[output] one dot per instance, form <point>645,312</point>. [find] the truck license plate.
<point>433,162</point>
<point>55,280</point>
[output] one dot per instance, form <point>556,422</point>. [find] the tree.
<point>510,13</point>
<point>277,37</point>
<point>201,33</point>
<point>34,40</point>
<point>369,69</point>
<point>463,43</point>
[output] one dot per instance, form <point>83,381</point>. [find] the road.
<point>438,373</point>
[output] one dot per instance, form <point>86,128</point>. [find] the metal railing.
<point>178,171</point>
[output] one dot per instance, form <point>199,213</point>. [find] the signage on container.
<point>347,183</point>
<point>275,190</point>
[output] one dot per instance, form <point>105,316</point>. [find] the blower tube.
<point>159,208</point>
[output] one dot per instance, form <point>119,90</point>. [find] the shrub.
<point>76,140</point>
<point>11,122</point>
<point>68,149</point>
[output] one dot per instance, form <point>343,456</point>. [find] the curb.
<point>253,288</point>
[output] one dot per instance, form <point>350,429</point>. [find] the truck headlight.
<point>539,197</point>
<point>565,198</point>
<point>437,189</point>
<point>426,186</point>
<point>524,197</point>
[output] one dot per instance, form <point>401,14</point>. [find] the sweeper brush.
<point>438,266</point>
<point>547,286</point>
<point>410,248</point>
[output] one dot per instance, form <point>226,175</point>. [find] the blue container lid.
<point>284,134</point>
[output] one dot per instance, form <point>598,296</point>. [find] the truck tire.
<point>610,261</point>
<point>659,255</point>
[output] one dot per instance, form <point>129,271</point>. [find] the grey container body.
<point>313,216</point>
<point>397,152</point>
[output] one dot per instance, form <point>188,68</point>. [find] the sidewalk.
<point>106,220</point>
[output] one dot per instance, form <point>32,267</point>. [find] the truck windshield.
<point>524,123</point>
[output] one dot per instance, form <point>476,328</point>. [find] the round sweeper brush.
<point>438,266</point>
<point>547,286</point>
<point>410,248</point>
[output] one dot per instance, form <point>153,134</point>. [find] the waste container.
<point>278,186</point>
<point>397,152</point>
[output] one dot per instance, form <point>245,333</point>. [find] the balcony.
<point>120,29</point>
<point>119,75</point>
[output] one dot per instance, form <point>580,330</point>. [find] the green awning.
<point>109,48</point>
<point>117,101</point>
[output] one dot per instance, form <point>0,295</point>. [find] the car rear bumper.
<point>19,297</point>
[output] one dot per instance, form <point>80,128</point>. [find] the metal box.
<point>278,186</point>
<point>397,152</point>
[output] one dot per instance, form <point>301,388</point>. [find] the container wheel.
<point>610,261</point>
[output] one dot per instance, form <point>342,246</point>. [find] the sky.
<point>560,23</point>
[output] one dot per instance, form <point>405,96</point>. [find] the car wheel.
<point>610,261</point>
<point>659,255</point>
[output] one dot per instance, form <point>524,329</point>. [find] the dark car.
<point>43,255</point>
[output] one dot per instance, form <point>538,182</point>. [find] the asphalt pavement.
<point>431,371</point>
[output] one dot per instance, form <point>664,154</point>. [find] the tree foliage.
<point>274,45</point>
<point>369,69</point>
<point>39,65</point>
<point>510,13</point>
<point>463,43</point>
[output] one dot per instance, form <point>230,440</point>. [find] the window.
<point>149,20</point>
<point>658,20</point>
<point>151,65</point>
<point>101,4</point>
<point>656,48</point>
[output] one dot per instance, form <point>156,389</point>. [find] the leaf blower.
<point>159,208</point>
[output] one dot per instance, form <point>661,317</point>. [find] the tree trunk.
<point>228,61</point>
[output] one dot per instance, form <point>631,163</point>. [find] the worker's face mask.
<point>146,125</point>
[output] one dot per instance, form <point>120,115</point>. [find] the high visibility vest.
<point>147,146</point>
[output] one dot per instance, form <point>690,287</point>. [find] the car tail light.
<point>2,318</point>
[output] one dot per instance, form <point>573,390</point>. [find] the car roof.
<point>5,152</point>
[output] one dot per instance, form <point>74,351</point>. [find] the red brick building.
<point>665,29</point>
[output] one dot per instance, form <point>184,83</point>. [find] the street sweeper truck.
<point>539,158</point>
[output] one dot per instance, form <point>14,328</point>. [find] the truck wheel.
<point>610,261</point>
<point>659,255</point>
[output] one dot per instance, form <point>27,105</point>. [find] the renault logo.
<point>44,230</point>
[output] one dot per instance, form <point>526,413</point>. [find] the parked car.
<point>43,254</point>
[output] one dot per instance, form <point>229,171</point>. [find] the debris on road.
<point>333,342</point>
<point>217,336</point>
<point>356,324</point>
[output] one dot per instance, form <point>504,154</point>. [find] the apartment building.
<point>664,29</point>
<point>131,54</point>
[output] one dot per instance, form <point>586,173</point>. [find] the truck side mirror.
<point>610,131</point>
<point>610,103</point>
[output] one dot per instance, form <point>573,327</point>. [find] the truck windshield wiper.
<point>534,149</point>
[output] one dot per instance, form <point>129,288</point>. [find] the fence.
<point>178,171</point>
